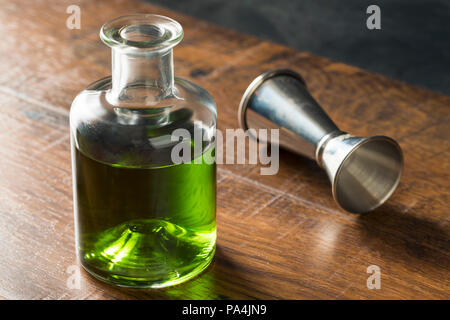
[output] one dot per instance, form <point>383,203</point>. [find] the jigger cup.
<point>364,172</point>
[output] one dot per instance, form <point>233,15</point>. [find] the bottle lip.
<point>141,33</point>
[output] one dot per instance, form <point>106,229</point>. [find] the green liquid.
<point>145,227</point>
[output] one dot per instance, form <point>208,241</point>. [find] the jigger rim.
<point>255,84</point>
<point>394,185</point>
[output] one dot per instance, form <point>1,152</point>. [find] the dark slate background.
<point>413,44</point>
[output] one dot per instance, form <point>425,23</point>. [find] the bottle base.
<point>147,254</point>
<point>144,283</point>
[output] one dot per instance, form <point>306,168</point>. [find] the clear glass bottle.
<point>141,218</point>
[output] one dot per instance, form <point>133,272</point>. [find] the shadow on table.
<point>214,283</point>
<point>393,230</point>
<point>404,236</point>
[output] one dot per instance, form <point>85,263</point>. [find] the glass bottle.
<point>143,218</point>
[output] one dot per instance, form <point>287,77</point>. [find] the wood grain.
<point>279,237</point>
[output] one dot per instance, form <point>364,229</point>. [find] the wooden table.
<point>279,237</point>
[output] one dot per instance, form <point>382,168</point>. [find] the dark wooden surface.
<point>279,236</point>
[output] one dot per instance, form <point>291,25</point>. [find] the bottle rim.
<point>141,33</point>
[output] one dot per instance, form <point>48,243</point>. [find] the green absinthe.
<point>145,227</point>
<point>143,217</point>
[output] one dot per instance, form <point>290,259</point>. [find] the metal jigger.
<point>364,172</point>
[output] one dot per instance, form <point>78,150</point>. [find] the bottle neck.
<point>141,80</point>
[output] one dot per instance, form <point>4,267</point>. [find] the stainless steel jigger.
<point>364,172</point>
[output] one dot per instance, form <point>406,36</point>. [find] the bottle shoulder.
<point>140,135</point>
<point>185,94</point>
